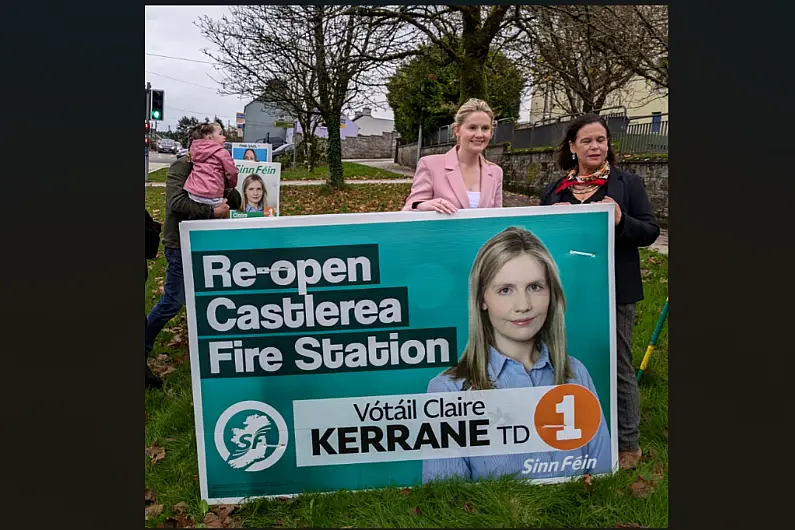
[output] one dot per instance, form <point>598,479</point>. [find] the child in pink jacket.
<point>213,167</point>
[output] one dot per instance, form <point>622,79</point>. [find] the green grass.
<point>503,503</point>
<point>159,175</point>
<point>350,170</point>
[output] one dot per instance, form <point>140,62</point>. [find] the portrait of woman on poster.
<point>462,177</point>
<point>249,154</point>
<point>517,339</point>
<point>255,197</point>
<point>592,176</point>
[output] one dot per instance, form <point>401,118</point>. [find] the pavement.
<point>383,163</point>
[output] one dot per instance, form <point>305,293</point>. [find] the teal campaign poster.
<point>322,348</point>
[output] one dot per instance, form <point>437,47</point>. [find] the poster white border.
<point>186,227</point>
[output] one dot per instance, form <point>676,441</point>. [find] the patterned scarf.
<point>585,183</point>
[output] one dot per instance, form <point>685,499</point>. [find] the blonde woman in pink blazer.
<point>460,178</point>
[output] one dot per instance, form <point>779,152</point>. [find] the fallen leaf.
<point>224,510</point>
<point>213,521</point>
<point>405,491</point>
<point>177,341</point>
<point>180,521</point>
<point>156,453</point>
<point>153,510</point>
<point>162,357</point>
<point>279,522</point>
<point>659,469</point>
<point>654,260</point>
<point>641,488</point>
<point>663,280</point>
<point>588,480</point>
<point>171,439</point>
<point>415,511</point>
<point>644,273</point>
<point>180,508</point>
<point>149,496</point>
<point>469,507</point>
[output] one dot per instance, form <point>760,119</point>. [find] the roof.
<point>371,117</point>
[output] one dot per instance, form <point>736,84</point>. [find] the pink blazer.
<point>439,176</point>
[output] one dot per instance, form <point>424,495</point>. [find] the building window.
<point>656,122</point>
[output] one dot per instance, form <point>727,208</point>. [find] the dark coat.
<point>151,241</point>
<point>180,207</point>
<point>638,228</point>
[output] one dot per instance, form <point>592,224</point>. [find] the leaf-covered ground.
<point>627,499</point>
<point>351,171</point>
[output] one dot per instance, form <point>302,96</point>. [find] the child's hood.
<point>201,150</point>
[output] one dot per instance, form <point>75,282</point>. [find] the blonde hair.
<point>246,183</point>
<point>492,256</point>
<point>471,106</point>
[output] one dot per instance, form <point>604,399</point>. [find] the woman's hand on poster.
<point>609,200</point>
<point>437,205</point>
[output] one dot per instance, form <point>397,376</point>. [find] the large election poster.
<point>324,348</point>
<point>258,184</point>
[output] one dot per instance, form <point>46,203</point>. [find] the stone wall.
<point>382,146</point>
<point>529,172</point>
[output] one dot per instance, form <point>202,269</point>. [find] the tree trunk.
<point>334,153</point>
<point>471,67</point>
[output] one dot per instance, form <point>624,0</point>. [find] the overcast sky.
<point>189,86</point>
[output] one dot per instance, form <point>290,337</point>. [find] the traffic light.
<point>146,134</point>
<point>157,104</point>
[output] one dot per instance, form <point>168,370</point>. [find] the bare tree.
<point>312,60</point>
<point>265,61</point>
<point>565,53</point>
<point>637,35</point>
<point>465,33</point>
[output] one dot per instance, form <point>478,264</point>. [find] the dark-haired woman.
<point>592,177</point>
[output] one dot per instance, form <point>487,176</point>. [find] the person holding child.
<point>214,171</point>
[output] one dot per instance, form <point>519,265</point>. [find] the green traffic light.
<point>156,114</point>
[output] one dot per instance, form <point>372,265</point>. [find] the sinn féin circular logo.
<point>251,435</point>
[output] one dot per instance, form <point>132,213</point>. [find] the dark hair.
<point>564,159</point>
<point>252,152</point>
<point>205,130</point>
<point>195,134</point>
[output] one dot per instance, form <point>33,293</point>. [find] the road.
<point>160,160</point>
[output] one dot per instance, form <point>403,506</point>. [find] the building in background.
<point>264,124</point>
<point>347,128</point>
<point>638,97</point>
<point>371,126</point>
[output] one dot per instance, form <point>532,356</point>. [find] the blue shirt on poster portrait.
<point>507,373</point>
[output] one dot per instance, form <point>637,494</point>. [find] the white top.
<point>474,199</point>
